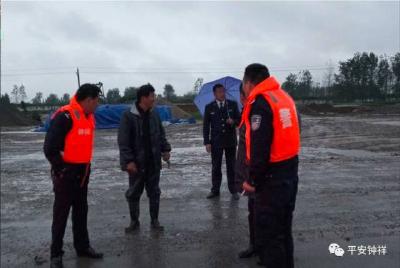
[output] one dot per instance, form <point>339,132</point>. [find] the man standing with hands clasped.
<point>272,147</point>
<point>222,116</point>
<point>142,143</point>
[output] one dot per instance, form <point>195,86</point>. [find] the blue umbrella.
<point>206,94</point>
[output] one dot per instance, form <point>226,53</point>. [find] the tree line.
<point>365,77</point>
<point>112,96</point>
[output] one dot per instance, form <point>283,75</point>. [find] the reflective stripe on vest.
<point>78,147</point>
<point>286,132</point>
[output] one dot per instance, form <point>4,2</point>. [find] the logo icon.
<point>336,249</point>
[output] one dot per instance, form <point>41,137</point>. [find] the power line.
<point>161,71</point>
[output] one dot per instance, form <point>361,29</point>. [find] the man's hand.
<point>131,168</point>
<point>248,188</point>
<point>166,156</point>
<point>208,148</point>
<point>230,121</point>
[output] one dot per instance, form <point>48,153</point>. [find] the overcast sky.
<point>131,43</point>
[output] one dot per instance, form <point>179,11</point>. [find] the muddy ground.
<point>349,193</point>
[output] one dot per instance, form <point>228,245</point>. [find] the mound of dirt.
<point>176,111</point>
<point>11,116</point>
<point>314,108</point>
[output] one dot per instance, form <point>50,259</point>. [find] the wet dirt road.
<point>349,193</point>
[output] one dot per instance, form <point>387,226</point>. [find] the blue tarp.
<point>109,116</point>
<point>206,94</point>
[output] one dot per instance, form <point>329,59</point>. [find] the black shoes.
<point>134,226</point>
<point>247,253</point>
<point>156,226</point>
<point>56,262</point>
<point>235,196</point>
<point>90,253</point>
<point>212,195</point>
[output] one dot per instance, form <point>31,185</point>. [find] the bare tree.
<point>197,85</point>
<point>22,93</point>
<point>15,94</point>
<point>38,98</point>
<point>329,77</point>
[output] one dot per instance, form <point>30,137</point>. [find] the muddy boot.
<point>156,226</point>
<point>56,262</point>
<point>154,208</point>
<point>212,195</point>
<point>247,253</point>
<point>134,209</point>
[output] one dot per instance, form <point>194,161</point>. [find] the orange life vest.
<point>78,147</point>
<point>286,132</point>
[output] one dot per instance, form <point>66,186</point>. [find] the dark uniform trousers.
<point>69,193</point>
<point>251,219</point>
<point>273,208</point>
<point>216,159</point>
<point>149,179</point>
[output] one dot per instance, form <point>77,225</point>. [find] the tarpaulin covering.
<point>109,116</point>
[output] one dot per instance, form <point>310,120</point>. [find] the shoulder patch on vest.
<point>255,122</point>
<point>77,114</point>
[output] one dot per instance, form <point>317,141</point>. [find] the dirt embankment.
<point>11,116</point>
<point>177,112</point>
<point>325,108</point>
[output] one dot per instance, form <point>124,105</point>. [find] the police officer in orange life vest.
<point>272,147</point>
<point>68,146</point>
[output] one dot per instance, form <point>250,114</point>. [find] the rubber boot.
<point>134,210</point>
<point>154,209</point>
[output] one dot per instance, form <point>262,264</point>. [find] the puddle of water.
<point>183,150</point>
<point>22,132</point>
<point>26,142</point>
<point>313,151</point>
<point>7,159</point>
<point>388,123</point>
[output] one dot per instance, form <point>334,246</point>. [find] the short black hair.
<point>217,86</point>
<point>144,91</point>
<point>241,89</point>
<point>255,73</point>
<point>88,91</point>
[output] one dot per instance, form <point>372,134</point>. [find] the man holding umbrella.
<point>221,116</point>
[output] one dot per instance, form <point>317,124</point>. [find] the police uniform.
<point>223,139</point>
<point>272,147</point>
<point>241,175</point>
<point>68,146</point>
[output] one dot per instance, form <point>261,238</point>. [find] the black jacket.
<point>222,134</point>
<point>132,142</point>
<point>261,140</point>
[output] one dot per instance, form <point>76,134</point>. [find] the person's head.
<point>253,75</point>
<point>145,96</point>
<point>242,95</point>
<point>88,97</point>
<point>219,92</point>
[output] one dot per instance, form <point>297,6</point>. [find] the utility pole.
<point>77,74</point>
